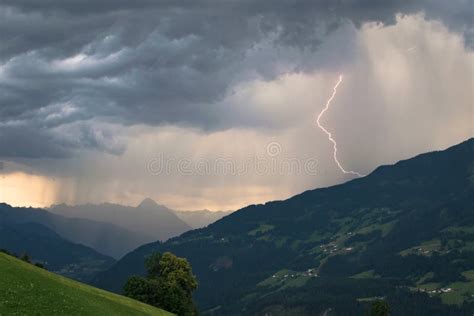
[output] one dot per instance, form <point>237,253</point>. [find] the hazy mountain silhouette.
<point>156,222</point>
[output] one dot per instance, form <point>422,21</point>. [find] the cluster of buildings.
<point>307,273</point>
<point>437,291</point>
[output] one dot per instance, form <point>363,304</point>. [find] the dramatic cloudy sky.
<point>213,104</point>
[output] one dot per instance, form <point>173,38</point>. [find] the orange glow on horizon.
<point>23,189</point>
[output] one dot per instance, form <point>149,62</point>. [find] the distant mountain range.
<point>151,220</point>
<point>79,241</point>
<point>405,232</point>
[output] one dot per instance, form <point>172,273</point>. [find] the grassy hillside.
<point>27,290</point>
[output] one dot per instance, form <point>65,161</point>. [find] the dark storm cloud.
<point>154,62</point>
<point>37,142</point>
<point>30,143</point>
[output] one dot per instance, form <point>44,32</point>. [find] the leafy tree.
<point>169,284</point>
<point>142,290</point>
<point>152,264</point>
<point>379,308</point>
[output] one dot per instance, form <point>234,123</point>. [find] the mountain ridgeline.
<point>106,238</point>
<point>79,241</point>
<point>149,220</point>
<point>405,232</point>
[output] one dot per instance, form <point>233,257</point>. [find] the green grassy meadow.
<point>29,290</point>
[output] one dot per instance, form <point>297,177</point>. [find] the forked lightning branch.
<point>331,139</point>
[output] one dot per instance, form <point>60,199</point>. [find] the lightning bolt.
<point>331,139</point>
